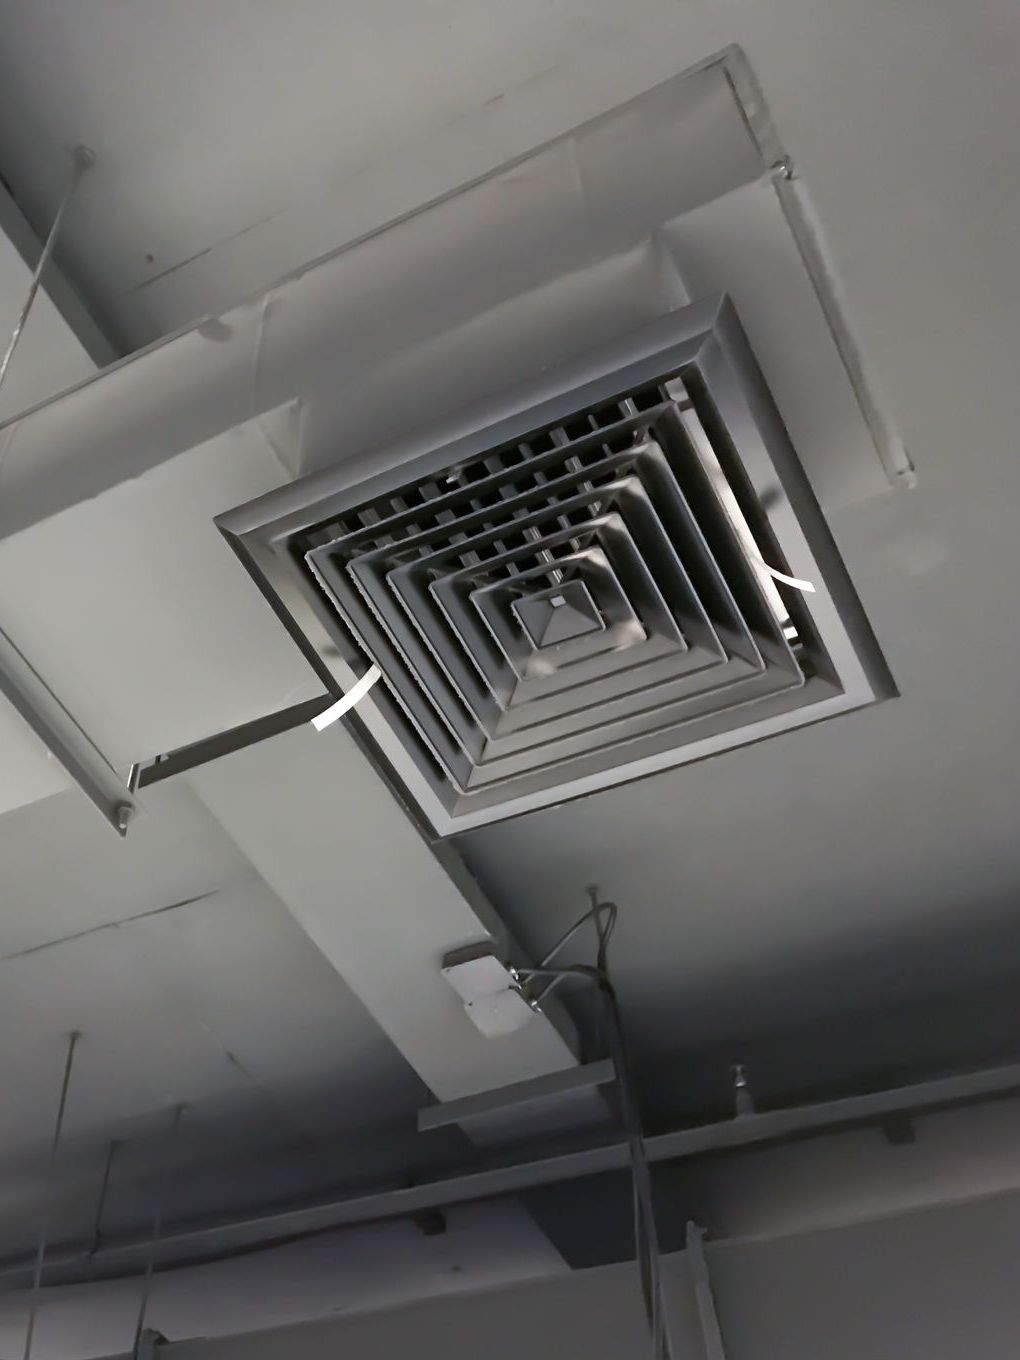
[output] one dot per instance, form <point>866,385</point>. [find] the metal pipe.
<point>81,159</point>
<point>221,1239</point>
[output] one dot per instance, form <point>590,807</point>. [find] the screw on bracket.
<point>743,1099</point>
<point>148,1344</point>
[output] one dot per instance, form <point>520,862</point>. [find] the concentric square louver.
<point>577,594</point>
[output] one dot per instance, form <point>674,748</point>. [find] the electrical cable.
<point>646,1241</point>
<point>594,911</point>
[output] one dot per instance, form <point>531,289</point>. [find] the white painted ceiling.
<point>191,984</point>
<point>833,904</point>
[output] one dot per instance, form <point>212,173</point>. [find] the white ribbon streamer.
<point>353,696</point>
<point>789,580</point>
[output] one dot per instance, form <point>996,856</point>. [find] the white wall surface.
<point>939,1284</point>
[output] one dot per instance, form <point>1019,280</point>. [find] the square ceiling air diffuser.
<point>578,587</point>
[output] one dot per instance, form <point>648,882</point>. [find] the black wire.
<point>646,1239</point>
<point>594,912</point>
<point>645,1230</point>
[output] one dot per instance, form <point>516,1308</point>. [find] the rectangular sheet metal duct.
<point>319,825</point>
<point>582,241</point>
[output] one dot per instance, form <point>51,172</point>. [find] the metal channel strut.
<point>204,1242</point>
<point>19,682</point>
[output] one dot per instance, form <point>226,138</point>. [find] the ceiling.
<point>192,985</point>
<point>835,906</point>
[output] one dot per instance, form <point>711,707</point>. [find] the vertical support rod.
<point>44,1227</point>
<point>141,1334</point>
<point>104,1187</point>
<point>81,159</point>
<point>711,1334</point>
<point>148,1345</point>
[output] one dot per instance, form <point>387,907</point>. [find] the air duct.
<point>425,321</point>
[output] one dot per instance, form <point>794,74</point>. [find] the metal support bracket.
<point>701,1280</point>
<point>26,690</point>
<point>811,244</point>
<point>148,1345</point>
<point>61,734</point>
<point>556,1102</point>
<point>199,1241</point>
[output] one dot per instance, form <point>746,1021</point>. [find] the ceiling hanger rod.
<point>44,1228</point>
<point>81,160</point>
